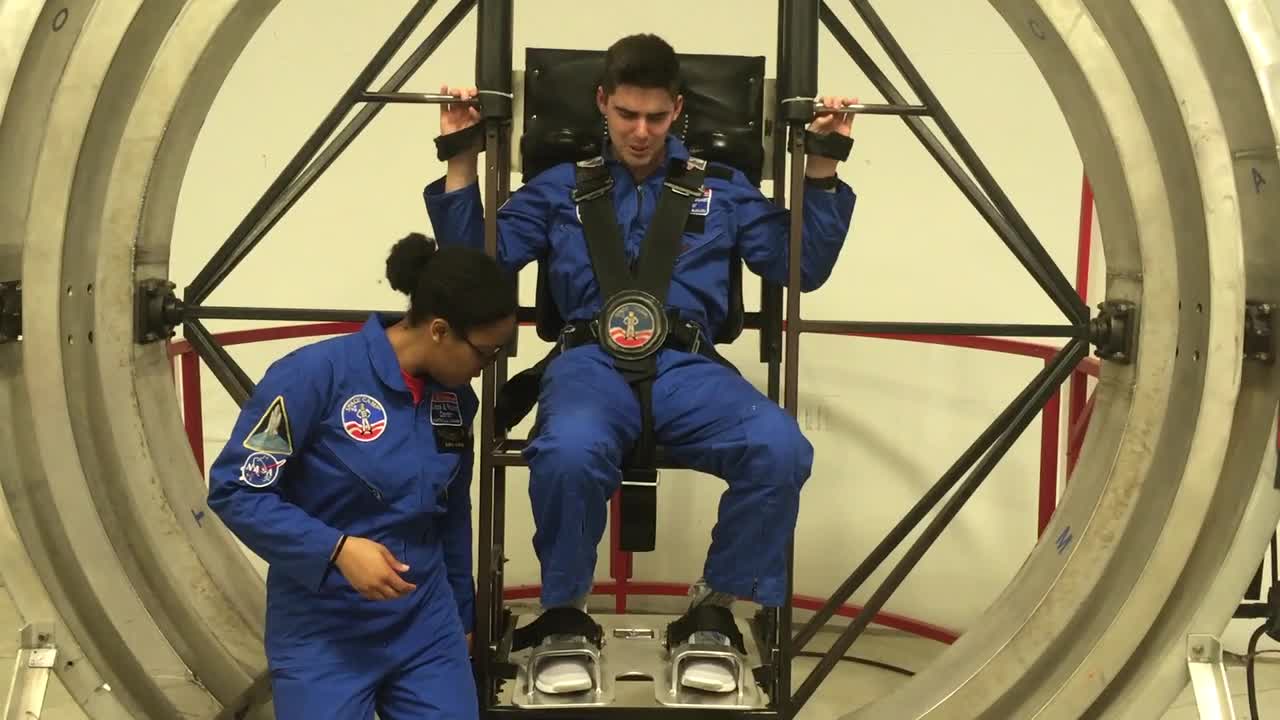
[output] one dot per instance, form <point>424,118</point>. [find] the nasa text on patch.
<point>260,469</point>
<point>271,434</point>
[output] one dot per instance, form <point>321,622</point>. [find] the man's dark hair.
<point>645,61</point>
<point>462,286</point>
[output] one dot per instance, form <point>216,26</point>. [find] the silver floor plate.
<point>636,670</point>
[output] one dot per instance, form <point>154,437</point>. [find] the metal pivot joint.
<point>1113,333</point>
<point>158,311</point>
<point>1209,677</point>
<point>10,311</point>
<point>1259,335</point>
<point>30,682</point>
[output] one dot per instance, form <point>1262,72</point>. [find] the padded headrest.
<point>723,119</point>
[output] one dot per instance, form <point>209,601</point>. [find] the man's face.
<point>638,122</point>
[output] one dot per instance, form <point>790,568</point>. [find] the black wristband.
<point>338,550</point>
<point>828,145</point>
<point>460,141</point>
<point>826,183</point>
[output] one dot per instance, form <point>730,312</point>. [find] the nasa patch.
<point>363,418</point>
<point>260,469</point>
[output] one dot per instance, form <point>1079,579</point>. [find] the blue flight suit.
<point>333,442</point>
<point>708,417</point>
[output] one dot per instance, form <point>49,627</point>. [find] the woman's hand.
<point>372,570</point>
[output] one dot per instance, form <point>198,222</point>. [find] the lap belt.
<point>705,618</point>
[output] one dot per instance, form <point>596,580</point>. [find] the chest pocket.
<point>704,231</point>
<point>373,465</point>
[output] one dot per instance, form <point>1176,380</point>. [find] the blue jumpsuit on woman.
<point>337,440</point>
<point>708,417</point>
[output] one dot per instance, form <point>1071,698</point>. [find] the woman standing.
<point>349,473</point>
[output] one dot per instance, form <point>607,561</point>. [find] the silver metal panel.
<point>636,670</point>
<point>746,696</point>
<point>531,661</point>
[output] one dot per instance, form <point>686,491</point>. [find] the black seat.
<point>723,122</point>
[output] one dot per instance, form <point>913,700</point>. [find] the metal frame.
<point>1209,678</point>
<point>117,542</point>
<point>798,90</point>
<point>37,654</point>
<point>797,81</point>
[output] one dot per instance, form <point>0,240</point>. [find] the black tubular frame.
<point>778,321</point>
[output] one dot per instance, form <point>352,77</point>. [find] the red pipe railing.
<point>1079,411</point>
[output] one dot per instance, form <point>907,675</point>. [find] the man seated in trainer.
<point>596,223</point>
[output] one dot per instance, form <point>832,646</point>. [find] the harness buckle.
<point>685,190</point>
<point>564,337</point>
<point>696,345</point>
<point>632,325</point>
<point>580,196</point>
<point>640,478</point>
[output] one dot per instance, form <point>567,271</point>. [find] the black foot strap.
<point>705,618</point>
<point>557,621</point>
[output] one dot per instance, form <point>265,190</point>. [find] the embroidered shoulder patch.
<point>271,434</point>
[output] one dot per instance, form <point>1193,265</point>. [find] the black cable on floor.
<point>861,661</point>
<point>1252,655</point>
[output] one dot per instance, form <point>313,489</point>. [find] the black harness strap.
<point>662,242</point>
<point>604,239</point>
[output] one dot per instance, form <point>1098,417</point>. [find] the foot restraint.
<point>707,651</point>
<point>566,653</point>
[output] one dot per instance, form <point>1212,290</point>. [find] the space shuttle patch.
<point>271,434</point>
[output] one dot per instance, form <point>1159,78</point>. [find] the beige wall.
<point>887,417</point>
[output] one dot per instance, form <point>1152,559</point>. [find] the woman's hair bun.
<point>408,258</point>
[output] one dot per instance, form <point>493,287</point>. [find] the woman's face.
<point>464,356</point>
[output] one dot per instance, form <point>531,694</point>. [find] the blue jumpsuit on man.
<point>333,442</point>
<point>708,417</point>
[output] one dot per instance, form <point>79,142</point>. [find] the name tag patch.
<point>702,206</point>
<point>445,409</point>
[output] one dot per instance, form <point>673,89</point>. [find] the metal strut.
<point>36,656</point>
